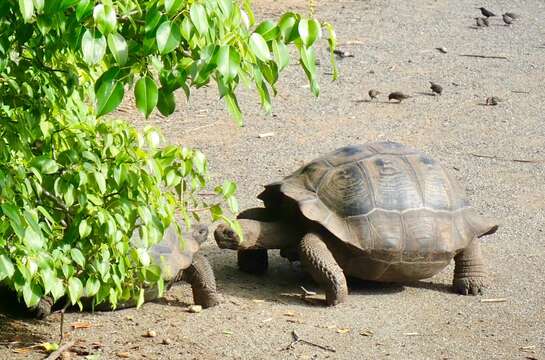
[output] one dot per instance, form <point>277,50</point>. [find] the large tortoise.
<point>178,262</point>
<point>380,211</point>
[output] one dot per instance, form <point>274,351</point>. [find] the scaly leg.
<point>469,270</point>
<point>203,283</point>
<point>320,263</point>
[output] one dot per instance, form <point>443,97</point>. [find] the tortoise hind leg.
<point>469,270</point>
<point>203,283</point>
<point>320,263</point>
<point>254,261</point>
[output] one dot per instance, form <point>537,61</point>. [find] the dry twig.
<point>298,339</point>
<point>506,159</point>
<point>57,353</point>
<point>485,56</point>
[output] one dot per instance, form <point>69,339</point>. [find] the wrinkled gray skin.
<point>184,265</point>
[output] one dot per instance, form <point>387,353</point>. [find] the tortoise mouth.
<point>226,238</point>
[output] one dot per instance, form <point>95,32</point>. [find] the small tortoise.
<point>379,211</point>
<point>178,262</point>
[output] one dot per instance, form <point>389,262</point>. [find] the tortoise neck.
<point>268,235</point>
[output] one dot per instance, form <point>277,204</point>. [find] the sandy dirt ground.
<point>394,45</point>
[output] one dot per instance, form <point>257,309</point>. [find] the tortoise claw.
<point>468,286</point>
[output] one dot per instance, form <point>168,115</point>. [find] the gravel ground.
<point>394,46</point>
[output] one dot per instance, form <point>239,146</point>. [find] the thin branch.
<point>62,206</point>
<point>485,56</point>
<point>531,161</point>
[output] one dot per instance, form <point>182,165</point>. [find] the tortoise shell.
<point>173,254</point>
<point>385,199</point>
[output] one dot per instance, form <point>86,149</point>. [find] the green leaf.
<point>281,55</point>
<point>199,161</point>
<point>32,294</point>
<point>228,62</point>
<point>6,267</point>
<point>166,103</point>
<point>145,93</point>
<point>105,18</point>
<point>143,256</point>
<point>101,181</point>
<point>198,16</point>
<point>233,107</point>
<point>226,7</point>
<point>75,289</point>
<point>172,6</point>
<point>27,9</point>
<point>109,92</point>
<point>309,31</point>
<point>332,41</point>
<point>268,30</point>
<point>118,48</point>
<point>84,229</point>
<point>168,37</point>
<point>288,27</point>
<point>93,46</point>
<point>83,9</point>
<point>152,19</point>
<point>77,256</point>
<point>259,47</point>
<point>92,286</point>
<point>233,204</point>
<point>38,5</point>
<point>228,188</point>
<point>45,165</point>
<point>141,298</point>
<point>32,239</point>
<point>69,195</point>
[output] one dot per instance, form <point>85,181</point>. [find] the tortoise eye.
<point>230,233</point>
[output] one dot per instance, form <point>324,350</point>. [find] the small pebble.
<point>194,309</point>
<point>150,333</point>
<point>166,341</point>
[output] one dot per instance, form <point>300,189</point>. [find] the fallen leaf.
<point>23,350</point>
<point>411,334</point>
<point>529,348</point>
<point>123,354</point>
<point>49,347</point>
<point>343,330</point>
<point>227,332</point>
<point>267,320</point>
<point>81,325</point>
<point>289,313</point>
<point>258,301</point>
<point>367,333</point>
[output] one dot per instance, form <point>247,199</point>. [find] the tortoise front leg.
<point>203,283</point>
<point>254,261</point>
<point>469,270</point>
<point>320,263</point>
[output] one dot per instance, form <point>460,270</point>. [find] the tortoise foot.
<point>468,286</point>
<point>253,261</point>
<point>43,309</point>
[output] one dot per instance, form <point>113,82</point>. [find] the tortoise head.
<point>199,233</point>
<point>226,237</point>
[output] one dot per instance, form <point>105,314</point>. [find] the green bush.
<point>75,186</point>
